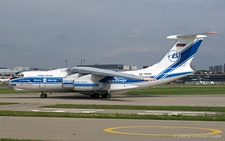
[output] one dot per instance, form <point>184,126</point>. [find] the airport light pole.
<point>82,62</point>
<point>66,62</point>
<point>4,71</point>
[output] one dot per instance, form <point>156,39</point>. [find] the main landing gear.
<point>43,95</point>
<point>107,95</point>
<point>96,95</point>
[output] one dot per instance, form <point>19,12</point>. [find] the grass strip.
<point>179,90</point>
<point>7,103</point>
<point>7,139</point>
<point>6,90</point>
<point>135,107</point>
<point>112,116</point>
<point>10,91</point>
<point>190,85</point>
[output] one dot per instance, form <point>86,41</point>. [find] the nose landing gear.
<point>43,95</point>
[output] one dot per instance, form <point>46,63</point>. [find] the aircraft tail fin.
<point>178,58</point>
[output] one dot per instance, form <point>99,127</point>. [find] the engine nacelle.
<point>67,83</point>
<point>87,85</point>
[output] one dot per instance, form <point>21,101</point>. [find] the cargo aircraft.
<point>104,83</point>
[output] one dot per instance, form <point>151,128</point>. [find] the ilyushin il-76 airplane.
<point>104,83</point>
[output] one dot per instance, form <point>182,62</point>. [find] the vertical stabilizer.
<point>178,58</point>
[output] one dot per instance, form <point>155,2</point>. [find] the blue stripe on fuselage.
<point>130,81</point>
<point>86,85</point>
<point>37,80</point>
<point>118,80</point>
<point>179,74</point>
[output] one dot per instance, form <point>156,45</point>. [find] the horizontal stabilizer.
<point>197,36</point>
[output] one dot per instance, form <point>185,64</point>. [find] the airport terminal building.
<point>4,72</point>
<point>204,79</point>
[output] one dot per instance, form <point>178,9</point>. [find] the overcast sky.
<point>45,33</point>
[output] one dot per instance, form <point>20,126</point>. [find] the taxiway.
<point>107,129</point>
<point>79,129</point>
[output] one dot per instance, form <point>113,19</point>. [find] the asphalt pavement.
<point>78,129</point>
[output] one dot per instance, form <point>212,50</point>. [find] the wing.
<point>104,72</point>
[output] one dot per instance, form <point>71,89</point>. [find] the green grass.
<point>112,116</point>
<point>7,103</point>
<point>6,90</point>
<point>7,139</point>
<point>174,90</point>
<point>191,85</point>
<point>134,107</point>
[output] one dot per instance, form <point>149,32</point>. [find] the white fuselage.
<point>61,81</point>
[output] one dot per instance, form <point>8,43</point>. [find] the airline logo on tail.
<point>173,55</point>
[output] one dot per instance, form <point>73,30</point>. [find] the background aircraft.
<point>3,80</point>
<point>103,83</point>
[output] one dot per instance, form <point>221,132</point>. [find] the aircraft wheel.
<point>108,96</point>
<point>96,95</point>
<point>103,96</point>
<point>43,95</point>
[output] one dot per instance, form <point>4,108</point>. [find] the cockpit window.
<point>20,75</point>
